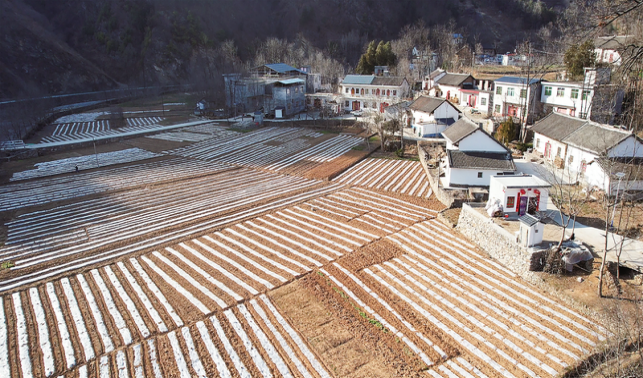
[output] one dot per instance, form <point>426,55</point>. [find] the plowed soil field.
<point>225,269</point>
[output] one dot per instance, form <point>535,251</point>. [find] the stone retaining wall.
<point>442,195</point>
<point>497,242</point>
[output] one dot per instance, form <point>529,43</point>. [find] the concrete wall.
<point>479,141</point>
<point>446,197</point>
<point>496,241</point>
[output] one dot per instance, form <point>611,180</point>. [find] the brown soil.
<point>349,347</point>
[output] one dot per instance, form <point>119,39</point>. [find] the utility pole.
<point>95,153</point>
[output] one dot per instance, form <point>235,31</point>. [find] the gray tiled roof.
<point>612,42</point>
<point>498,161</point>
<point>460,130</point>
<point>596,138</point>
<point>586,135</point>
<point>557,126</point>
<point>388,80</point>
<point>426,104</point>
<point>453,79</point>
<point>632,167</point>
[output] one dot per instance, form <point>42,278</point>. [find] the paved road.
<point>632,250</point>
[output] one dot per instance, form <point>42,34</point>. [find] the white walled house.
<point>513,97</point>
<point>528,192</point>
<point>479,100</point>
<point>579,145</point>
<point>430,116</point>
<point>607,48</point>
<point>571,98</point>
<point>449,85</point>
<point>372,93</point>
<point>473,156</point>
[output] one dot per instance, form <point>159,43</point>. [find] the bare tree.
<point>566,193</point>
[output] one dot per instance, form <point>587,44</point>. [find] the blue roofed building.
<point>276,89</point>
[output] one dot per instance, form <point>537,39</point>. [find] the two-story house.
<point>514,97</point>
<point>278,89</point>
<point>580,147</point>
<point>566,97</point>
<point>430,116</point>
<point>473,156</point>
<point>372,93</point>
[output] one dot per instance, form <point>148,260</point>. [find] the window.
<point>547,91</point>
<point>362,92</point>
<point>523,93</point>
<point>483,101</point>
<point>558,151</point>
<point>570,159</point>
<point>574,94</point>
<point>537,142</point>
<point>374,105</point>
<point>394,92</point>
<point>346,104</point>
<point>388,92</point>
<point>373,91</point>
<point>560,92</point>
<point>287,90</point>
<point>498,90</point>
<point>585,95</point>
<point>510,92</point>
<point>347,90</point>
<point>479,174</point>
<point>497,108</point>
<point>296,89</point>
<point>511,202</point>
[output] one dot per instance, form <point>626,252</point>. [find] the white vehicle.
<point>357,113</point>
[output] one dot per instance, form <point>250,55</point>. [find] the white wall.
<point>578,104</point>
<point>630,147</point>
<point>426,129</point>
<point>469,176</point>
<point>479,141</point>
<point>554,146</point>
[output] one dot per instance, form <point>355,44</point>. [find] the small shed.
<point>521,194</point>
<point>531,231</point>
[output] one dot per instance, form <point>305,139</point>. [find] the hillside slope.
<point>70,45</point>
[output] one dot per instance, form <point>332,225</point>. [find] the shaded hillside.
<point>69,45</point>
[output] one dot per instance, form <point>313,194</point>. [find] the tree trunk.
<point>603,261</point>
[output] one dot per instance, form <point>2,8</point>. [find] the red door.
<point>356,105</point>
<point>548,150</point>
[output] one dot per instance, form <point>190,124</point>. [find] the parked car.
<point>357,113</point>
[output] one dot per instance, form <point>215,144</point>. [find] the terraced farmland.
<point>400,176</point>
<point>277,149</point>
<point>174,268</point>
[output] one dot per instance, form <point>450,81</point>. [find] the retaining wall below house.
<point>497,242</point>
<point>442,195</point>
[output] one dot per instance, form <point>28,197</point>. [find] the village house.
<point>449,86</point>
<point>608,48</point>
<point>513,97</point>
<point>430,116</point>
<point>566,97</point>
<point>593,98</point>
<point>586,149</point>
<point>277,89</point>
<point>519,194</point>
<point>473,156</point>
<point>372,93</point>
